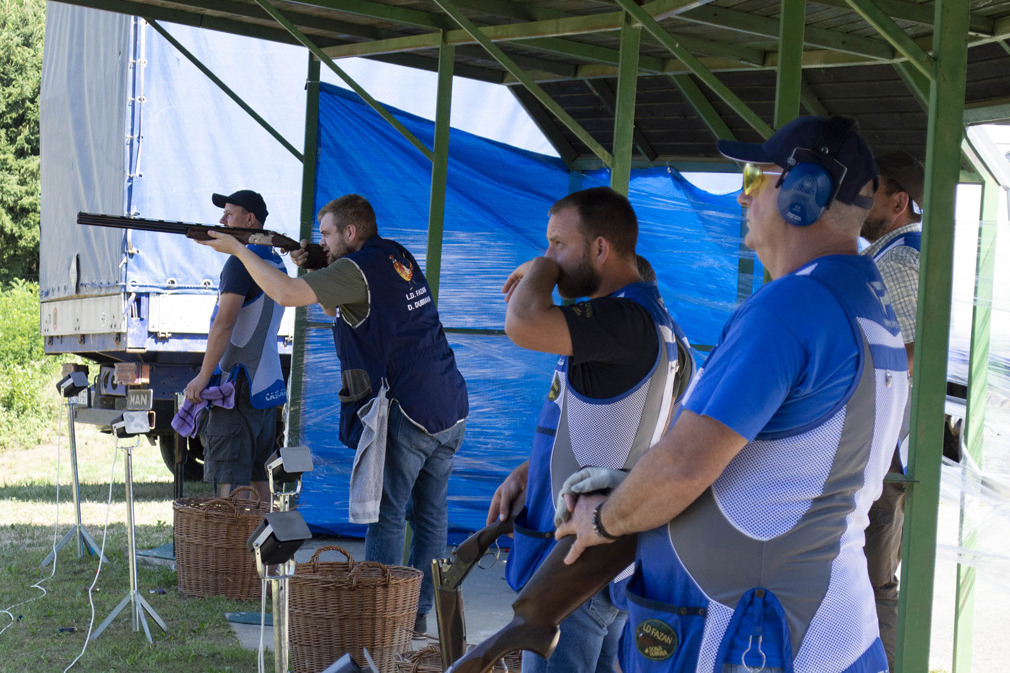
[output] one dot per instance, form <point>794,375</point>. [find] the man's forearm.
<point>671,475</point>
<point>278,285</point>
<point>534,294</point>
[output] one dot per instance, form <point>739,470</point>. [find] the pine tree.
<point>22,27</point>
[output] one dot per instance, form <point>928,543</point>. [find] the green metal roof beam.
<point>893,33</point>
<point>696,67</point>
<point>603,90</point>
<point>916,82</point>
<point>376,10</point>
<point>226,89</point>
<point>546,123</point>
<point>313,24</point>
<point>187,18</point>
<point>696,97</point>
<point>431,64</point>
<point>789,74</point>
<point>318,53</point>
<point>754,24</point>
<point>910,11</point>
<point>527,81</point>
<point>527,62</point>
<point>811,102</point>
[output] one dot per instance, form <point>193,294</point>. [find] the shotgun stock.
<point>448,575</point>
<point>553,593</point>
<point>198,232</point>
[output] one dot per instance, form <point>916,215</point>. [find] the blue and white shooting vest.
<point>766,567</point>
<point>252,347</point>
<point>575,431</point>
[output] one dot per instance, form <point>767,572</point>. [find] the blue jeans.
<point>588,642</point>
<point>414,487</point>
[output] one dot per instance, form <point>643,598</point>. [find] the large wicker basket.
<point>339,607</point>
<point>429,660</point>
<point>211,556</point>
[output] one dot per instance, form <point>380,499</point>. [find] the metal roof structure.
<point>712,73</point>
<point>623,83</point>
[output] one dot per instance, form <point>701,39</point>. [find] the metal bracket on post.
<point>74,387</point>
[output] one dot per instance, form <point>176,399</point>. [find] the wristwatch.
<point>598,524</point>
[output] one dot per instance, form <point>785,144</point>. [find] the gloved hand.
<point>586,480</point>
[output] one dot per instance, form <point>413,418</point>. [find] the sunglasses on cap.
<point>754,178</point>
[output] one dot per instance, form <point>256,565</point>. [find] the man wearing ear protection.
<point>751,509</point>
<point>894,229</point>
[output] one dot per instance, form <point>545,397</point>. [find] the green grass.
<point>199,637</point>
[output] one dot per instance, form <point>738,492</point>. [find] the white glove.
<point>586,480</point>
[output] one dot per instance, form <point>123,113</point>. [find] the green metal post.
<point>439,167</point>
<point>974,422</point>
<point>624,107</point>
<point>929,380</point>
<point>307,220</point>
<point>789,74</point>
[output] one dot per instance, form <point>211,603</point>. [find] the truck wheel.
<point>193,467</point>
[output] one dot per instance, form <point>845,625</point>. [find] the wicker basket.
<point>339,607</point>
<point>429,660</point>
<point>211,556</point>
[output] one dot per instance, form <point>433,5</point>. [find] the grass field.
<point>47,631</point>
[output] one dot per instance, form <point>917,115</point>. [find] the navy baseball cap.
<point>831,142</point>
<point>245,198</point>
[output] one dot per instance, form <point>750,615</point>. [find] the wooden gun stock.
<point>553,593</point>
<point>199,232</point>
<point>448,575</point>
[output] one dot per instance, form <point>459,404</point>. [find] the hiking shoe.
<point>420,627</point>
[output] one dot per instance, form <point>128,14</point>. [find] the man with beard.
<point>391,345</point>
<point>623,364</point>
<point>894,230</point>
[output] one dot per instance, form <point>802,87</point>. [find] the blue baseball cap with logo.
<point>833,143</point>
<point>246,198</point>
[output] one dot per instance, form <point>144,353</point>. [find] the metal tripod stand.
<point>138,603</point>
<point>78,530</point>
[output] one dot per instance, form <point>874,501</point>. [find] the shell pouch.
<point>757,635</point>
<point>660,637</point>
<point>529,549</point>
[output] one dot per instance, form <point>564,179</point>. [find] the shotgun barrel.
<point>199,232</point>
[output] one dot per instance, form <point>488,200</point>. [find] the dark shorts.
<point>237,442</point>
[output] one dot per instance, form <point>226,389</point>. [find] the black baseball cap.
<point>907,171</point>
<point>245,198</point>
<point>832,140</point>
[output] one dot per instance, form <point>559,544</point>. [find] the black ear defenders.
<point>813,175</point>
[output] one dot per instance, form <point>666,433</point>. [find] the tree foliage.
<point>22,27</point>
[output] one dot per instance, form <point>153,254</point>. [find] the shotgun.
<point>553,593</point>
<point>448,575</point>
<point>198,232</point>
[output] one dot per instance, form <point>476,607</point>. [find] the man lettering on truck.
<point>391,346</point>
<point>242,349</point>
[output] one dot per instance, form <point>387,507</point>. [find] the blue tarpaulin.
<point>497,201</point>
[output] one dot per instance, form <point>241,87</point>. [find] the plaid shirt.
<point>899,267</point>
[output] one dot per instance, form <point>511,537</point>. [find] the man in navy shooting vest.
<point>392,348</point>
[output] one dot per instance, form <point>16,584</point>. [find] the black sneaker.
<point>420,627</point>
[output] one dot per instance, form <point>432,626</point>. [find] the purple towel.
<point>186,419</point>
